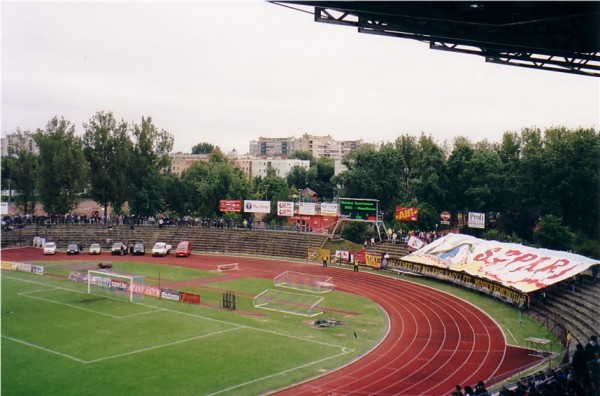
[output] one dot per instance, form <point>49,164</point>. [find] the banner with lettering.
<point>512,265</point>
<point>406,213</point>
<point>285,208</point>
<point>230,205</point>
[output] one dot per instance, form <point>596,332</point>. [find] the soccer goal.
<point>111,284</point>
<point>289,302</point>
<point>305,282</point>
<point>228,267</point>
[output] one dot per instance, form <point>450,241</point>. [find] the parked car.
<point>73,248</point>
<point>118,249</point>
<point>184,249</point>
<point>95,248</point>
<point>50,248</point>
<point>161,249</point>
<point>139,249</point>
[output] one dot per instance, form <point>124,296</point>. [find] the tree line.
<point>537,187</point>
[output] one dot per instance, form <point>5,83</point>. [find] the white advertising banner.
<point>307,208</point>
<point>251,206</point>
<point>329,209</point>
<point>476,220</point>
<point>517,266</point>
<point>285,208</point>
<point>3,208</point>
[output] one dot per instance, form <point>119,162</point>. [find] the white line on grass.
<point>54,288</point>
<point>278,373</point>
<point>161,345</point>
<point>44,349</point>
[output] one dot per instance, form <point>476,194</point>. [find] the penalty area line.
<point>29,344</point>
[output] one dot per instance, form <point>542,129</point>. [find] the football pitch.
<point>59,340</point>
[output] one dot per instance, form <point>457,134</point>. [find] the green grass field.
<point>59,340</point>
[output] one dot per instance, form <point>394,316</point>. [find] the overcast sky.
<point>227,72</point>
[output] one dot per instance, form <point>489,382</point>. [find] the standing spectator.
<point>324,258</point>
<point>591,350</point>
<point>578,362</point>
<point>355,264</point>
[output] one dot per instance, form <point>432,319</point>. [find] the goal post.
<point>112,284</point>
<point>305,282</point>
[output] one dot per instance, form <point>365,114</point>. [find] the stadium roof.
<point>560,36</point>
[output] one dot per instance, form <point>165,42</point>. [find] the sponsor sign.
<point>230,205</point>
<point>168,294</point>
<point>307,208</point>
<point>509,264</point>
<point>8,265</point>
<point>329,209</point>
<point>145,290</point>
<point>313,254</point>
<point>251,206</point>
<point>3,208</point>
<point>406,213</point>
<point>342,255</point>
<point>445,216</point>
<point>373,260</point>
<point>189,298</point>
<point>415,242</point>
<point>476,220</point>
<point>285,208</point>
<point>118,284</point>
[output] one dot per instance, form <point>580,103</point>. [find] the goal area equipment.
<point>289,302</point>
<point>113,285</point>
<point>227,267</point>
<point>305,282</point>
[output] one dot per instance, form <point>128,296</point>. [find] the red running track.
<point>435,341</point>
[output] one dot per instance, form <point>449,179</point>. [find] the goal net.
<point>289,302</point>
<point>305,282</point>
<point>113,285</point>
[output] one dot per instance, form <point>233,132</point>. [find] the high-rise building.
<point>318,146</point>
<point>18,141</point>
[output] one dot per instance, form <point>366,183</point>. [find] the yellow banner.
<point>373,260</point>
<point>8,265</point>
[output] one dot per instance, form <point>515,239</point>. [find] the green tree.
<point>203,148</point>
<point>62,170</point>
<point>150,157</point>
<point>20,167</point>
<point>551,234</point>
<point>212,181</point>
<point>107,149</point>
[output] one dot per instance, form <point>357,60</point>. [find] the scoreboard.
<point>358,209</point>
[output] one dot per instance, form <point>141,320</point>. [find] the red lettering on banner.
<point>532,266</point>
<point>489,254</point>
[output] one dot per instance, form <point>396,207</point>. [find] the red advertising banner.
<point>189,298</point>
<point>230,205</point>
<point>406,213</point>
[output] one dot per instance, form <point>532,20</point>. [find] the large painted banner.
<point>517,266</point>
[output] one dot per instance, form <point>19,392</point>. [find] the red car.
<point>184,249</point>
